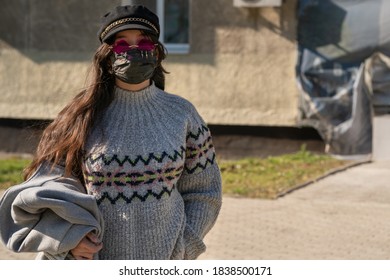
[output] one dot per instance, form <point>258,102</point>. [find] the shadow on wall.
<point>52,30</point>
<point>315,27</point>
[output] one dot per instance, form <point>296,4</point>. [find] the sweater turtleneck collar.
<point>136,96</point>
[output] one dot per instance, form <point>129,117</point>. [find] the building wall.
<point>242,64</point>
<point>240,69</point>
<point>45,49</point>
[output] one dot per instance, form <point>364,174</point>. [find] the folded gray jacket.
<point>49,214</point>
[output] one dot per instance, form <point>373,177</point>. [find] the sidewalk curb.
<point>330,172</point>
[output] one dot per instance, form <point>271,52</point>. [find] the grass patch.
<point>11,170</point>
<point>268,178</point>
<point>250,177</point>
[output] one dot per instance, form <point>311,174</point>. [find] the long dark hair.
<point>63,140</point>
<point>159,73</point>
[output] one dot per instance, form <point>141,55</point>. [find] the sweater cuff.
<point>194,246</point>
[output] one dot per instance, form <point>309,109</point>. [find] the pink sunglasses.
<point>143,45</point>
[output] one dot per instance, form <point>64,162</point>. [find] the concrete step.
<point>381,137</point>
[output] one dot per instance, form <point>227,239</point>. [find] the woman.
<point>145,155</point>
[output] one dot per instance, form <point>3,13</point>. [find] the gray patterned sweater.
<point>151,165</point>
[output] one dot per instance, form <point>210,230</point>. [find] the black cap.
<point>128,17</point>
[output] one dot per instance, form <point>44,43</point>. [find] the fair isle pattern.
<point>134,179</point>
<point>120,186</point>
<point>151,176</point>
<point>200,150</point>
<point>108,160</point>
<point>199,156</point>
<point>134,196</point>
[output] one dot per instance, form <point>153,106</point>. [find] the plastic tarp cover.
<point>343,70</point>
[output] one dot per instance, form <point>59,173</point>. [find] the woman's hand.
<point>87,247</point>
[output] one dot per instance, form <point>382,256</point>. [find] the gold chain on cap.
<point>124,20</point>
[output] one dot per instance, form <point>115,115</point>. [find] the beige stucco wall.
<point>240,69</point>
<point>45,50</point>
<point>37,90</point>
<point>243,64</point>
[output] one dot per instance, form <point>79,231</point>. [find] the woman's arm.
<point>200,186</point>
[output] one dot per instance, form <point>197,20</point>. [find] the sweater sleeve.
<point>200,187</point>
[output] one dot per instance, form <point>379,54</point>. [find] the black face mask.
<point>134,65</point>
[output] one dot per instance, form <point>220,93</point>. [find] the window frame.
<point>171,47</point>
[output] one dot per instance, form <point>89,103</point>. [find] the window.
<point>174,14</point>
<point>174,18</point>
